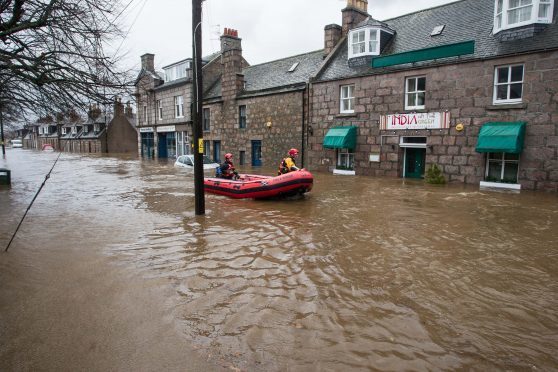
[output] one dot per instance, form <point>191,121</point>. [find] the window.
<point>358,43</point>
<point>145,114</point>
<point>74,130</point>
<point>178,107</point>
<point>514,13</point>
<point>347,99</point>
<point>293,67</point>
<point>96,127</point>
<point>364,42</point>
<point>206,149</point>
<point>206,122</point>
<point>345,159</point>
<point>415,92</point>
<point>502,167</point>
<point>373,42</point>
<point>508,84</point>
<point>160,109</point>
<point>177,71</point>
<point>242,116</point>
<point>64,130</point>
<point>242,158</point>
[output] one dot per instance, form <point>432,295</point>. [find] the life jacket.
<point>227,170</point>
<point>285,165</point>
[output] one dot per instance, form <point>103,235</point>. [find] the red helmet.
<point>228,156</point>
<point>293,152</point>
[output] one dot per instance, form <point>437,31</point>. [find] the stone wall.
<point>465,90</point>
<point>283,112</point>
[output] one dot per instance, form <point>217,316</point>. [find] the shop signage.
<point>166,128</point>
<point>146,130</point>
<point>427,120</point>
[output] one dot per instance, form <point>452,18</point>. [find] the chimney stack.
<point>118,107</point>
<point>148,62</point>
<point>332,35</point>
<point>232,80</point>
<point>355,12</point>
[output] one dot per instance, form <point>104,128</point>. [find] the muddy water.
<point>362,273</point>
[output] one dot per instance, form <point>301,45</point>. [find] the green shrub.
<point>434,175</point>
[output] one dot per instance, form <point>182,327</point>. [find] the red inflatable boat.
<point>261,187</point>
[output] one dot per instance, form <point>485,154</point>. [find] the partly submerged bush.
<point>434,175</point>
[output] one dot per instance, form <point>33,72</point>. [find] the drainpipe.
<point>302,147</point>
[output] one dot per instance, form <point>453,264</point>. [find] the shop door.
<point>256,153</point>
<point>162,146</point>
<point>414,162</point>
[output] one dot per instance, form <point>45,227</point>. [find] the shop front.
<point>502,142</point>
<point>343,141</point>
<point>147,142</point>
<point>413,148</point>
<point>172,141</point>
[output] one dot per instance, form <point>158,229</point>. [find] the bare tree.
<point>52,54</point>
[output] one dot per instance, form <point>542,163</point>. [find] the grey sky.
<point>270,29</point>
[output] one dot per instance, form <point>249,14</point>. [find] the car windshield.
<point>16,141</point>
<point>190,160</point>
<point>207,160</point>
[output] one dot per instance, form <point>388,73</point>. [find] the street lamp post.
<point>197,106</point>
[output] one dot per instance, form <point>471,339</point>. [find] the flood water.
<point>362,273</point>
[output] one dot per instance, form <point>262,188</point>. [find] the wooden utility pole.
<point>197,105</point>
<point>2,130</point>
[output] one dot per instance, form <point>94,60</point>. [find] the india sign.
<point>427,120</point>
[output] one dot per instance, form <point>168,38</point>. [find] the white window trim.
<point>416,107</point>
<point>367,51</point>
<point>350,98</point>
<point>64,130</point>
<point>160,109</point>
<point>495,99</point>
<point>178,106</point>
<point>535,4</point>
<point>502,163</point>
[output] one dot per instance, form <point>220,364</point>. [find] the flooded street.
<point>112,270</point>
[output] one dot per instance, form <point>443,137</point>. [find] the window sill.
<point>344,172</point>
<point>346,115</point>
<point>499,185</point>
<point>507,106</point>
<point>414,110</point>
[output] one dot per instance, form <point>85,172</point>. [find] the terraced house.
<point>471,86</point>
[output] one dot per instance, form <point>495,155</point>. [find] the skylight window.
<point>294,66</point>
<point>437,30</point>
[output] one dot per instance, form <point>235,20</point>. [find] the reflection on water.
<point>361,273</point>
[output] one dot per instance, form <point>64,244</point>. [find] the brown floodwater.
<point>112,270</point>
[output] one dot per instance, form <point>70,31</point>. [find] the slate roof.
<point>464,20</point>
<point>275,75</point>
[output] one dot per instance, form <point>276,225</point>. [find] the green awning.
<point>341,138</point>
<point>501,137</point>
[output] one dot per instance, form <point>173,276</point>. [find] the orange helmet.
<point>293,152</point>
<point>228,156</point>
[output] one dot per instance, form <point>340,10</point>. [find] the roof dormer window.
<point>515,13</point>
<point>367,41</point>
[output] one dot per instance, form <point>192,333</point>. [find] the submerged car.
<point>187,161</point>
<point>17,143</point>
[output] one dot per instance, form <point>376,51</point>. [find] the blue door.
<point>217,151</point>
<point>256,153</point>
<point>162,147</point>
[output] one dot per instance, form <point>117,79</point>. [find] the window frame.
<point>415,92</point>
<point>502,161</point>
<point>178,107</point>
<point>350,98</point>
<point>206,119</point>
<point>501,18</point>
<point>367,32</point>
<point>145,114</point>
<point>345,159</point>
<point>242,116</point>
<point>509,83</point>
<point>160,109</point>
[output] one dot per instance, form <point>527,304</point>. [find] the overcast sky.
<point>269,29</point>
